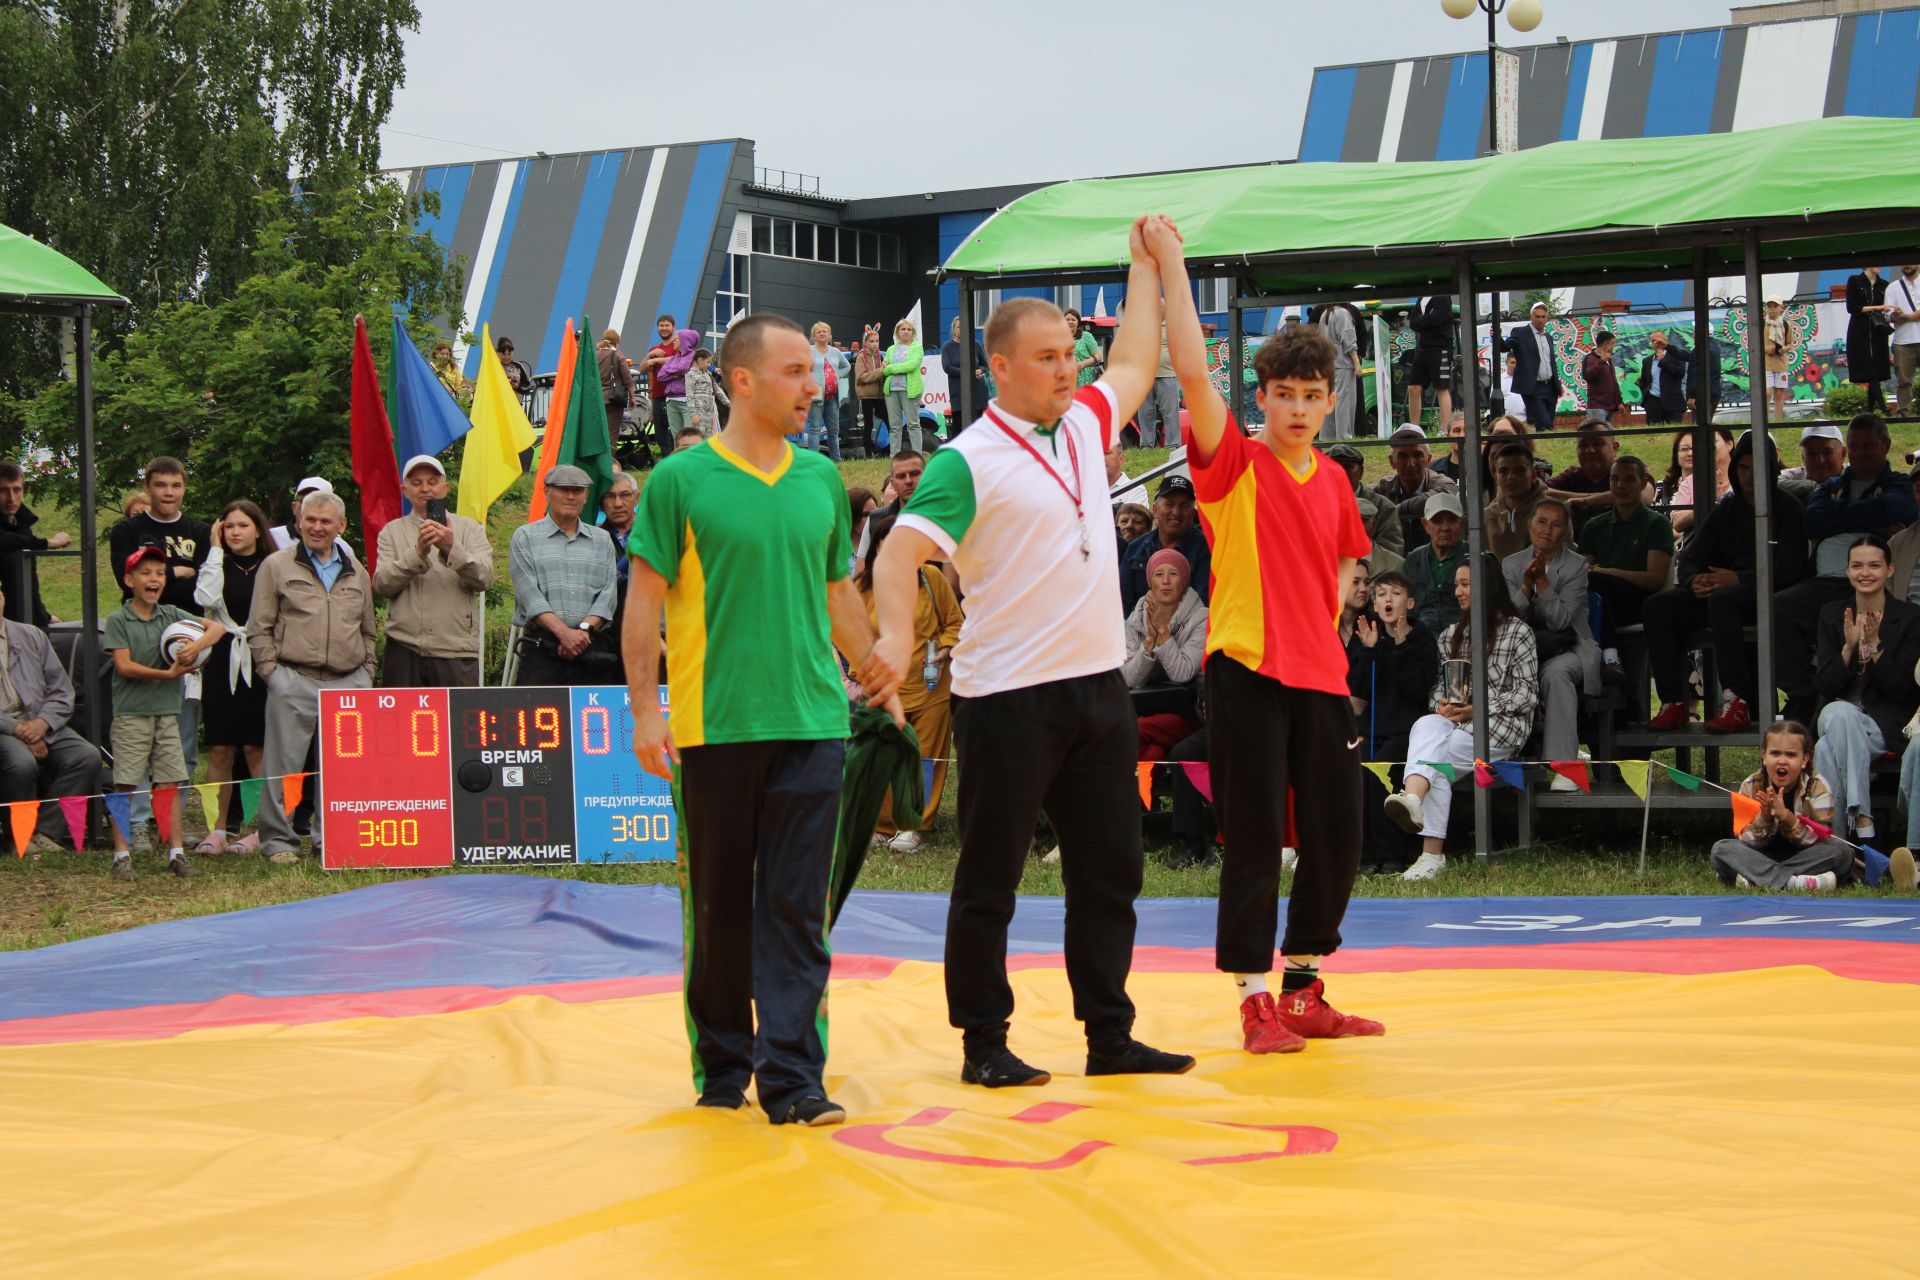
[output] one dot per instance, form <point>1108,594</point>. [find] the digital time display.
<point>487,777</point>
<point>512,777</point>
<point>385,797</point>
<point>622,812</point>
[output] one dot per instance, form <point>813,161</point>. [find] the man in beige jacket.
<point>435,566</point>
<point>311,629</point>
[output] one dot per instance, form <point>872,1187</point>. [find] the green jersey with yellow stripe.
<point>747,555</point>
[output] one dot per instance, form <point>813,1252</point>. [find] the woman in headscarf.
<point>1166,640</point>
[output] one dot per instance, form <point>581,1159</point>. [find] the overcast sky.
<point>923,96</point>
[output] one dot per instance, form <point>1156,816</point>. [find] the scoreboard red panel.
<point>384,759</point>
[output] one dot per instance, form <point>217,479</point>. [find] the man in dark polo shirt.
<point>1629,551</point>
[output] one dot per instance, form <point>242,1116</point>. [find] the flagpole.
<point>1646,820</point>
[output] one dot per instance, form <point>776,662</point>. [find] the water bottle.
<point>930,668</point>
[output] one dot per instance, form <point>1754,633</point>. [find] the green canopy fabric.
<point>31,271</point>
<point>1612,201</point>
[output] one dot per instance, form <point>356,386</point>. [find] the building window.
<point>733,296</point>
<point>1215,295</point>
<point>814,242</point>
<point>1067,297</point>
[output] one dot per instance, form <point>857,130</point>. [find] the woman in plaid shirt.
<point>1446,736</point>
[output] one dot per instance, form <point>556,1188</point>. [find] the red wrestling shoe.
<point>1672,715</point>
<point>1262,1029</point>
<point>1733,718</point>
<point>1306,1013</point>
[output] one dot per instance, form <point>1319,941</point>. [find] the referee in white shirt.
<point>1042,718</point>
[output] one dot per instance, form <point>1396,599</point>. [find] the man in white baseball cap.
<point>435,566</point>
<point>1823,455</point>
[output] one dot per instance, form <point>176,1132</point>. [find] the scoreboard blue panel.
<point>623,813</point>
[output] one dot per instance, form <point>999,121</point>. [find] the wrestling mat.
<point>488,1075</point>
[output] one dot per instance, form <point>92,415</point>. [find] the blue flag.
<point>1510,773</point>
<point>120,809</point>
<point>426,419</point>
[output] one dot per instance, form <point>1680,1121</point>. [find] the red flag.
<point>1575,770</point>
<point>374,467</point>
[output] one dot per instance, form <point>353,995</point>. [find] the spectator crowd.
<point>1595,577</point>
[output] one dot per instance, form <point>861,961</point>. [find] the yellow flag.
<point>1379,768</point>
<point>209,793</point>
<point>1635,774</point>
<point>501,433</point>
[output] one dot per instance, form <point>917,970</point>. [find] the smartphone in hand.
<point>437,510</point>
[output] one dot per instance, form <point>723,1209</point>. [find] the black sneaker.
<point>996,1067</point>
<point>182,868</point>
<point>723,1097</point>
<point>1131,1058</point>
<point>122,869</point>
<point>814,1112</point>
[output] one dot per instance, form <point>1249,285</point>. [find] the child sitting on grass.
<point>1781,848</point>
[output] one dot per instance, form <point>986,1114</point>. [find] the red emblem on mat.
<point>1301,1140</point>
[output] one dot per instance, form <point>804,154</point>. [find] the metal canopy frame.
<point>87,646</point>
<point>1698,252</point>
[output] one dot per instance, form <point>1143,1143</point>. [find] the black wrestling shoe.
<point>997,1068</point>
<point>814,1112</point>
<point>723,1097</point>
<point>1131,1058</point>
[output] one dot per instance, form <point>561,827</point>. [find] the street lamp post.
<point>1523,16</point>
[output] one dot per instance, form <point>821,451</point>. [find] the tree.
<point>135,135</point>
<point>252,391</point>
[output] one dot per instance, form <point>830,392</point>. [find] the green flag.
<point>583,436</point>
<point>1681,778</point>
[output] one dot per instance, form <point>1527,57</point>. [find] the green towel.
<point>881,757</point>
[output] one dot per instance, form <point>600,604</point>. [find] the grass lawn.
<point>67,896</point>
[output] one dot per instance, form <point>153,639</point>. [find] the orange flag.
<point>1145,770</point>
<point>556,418</point>
<point>294,785</point>
<point>21,817</point>
<point>1745,810</point>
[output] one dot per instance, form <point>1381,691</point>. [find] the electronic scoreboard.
<point>486,777</point>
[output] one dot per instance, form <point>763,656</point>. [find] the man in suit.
<point>1663,381</point>
<point>1535,379</point>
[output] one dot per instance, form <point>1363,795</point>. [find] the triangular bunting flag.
<point>1381,769</point>
<point>209,793</point>
<point>1820,830</point>
<point>1745,810</point>
<point>1576,770</point>
<point>1442,767</point>
<point>120,809</point>
<point>21,815</point>
<point>1681,778</point>
<point>293,786</point>
<point>74,810</point>
<point>249,789</point>
<point>1201,777</point>
<point>1145,771</point>
<point>1511,773</point>
<point>163,813</point>
<point>1482,776</point>
<point>1876,863</point>
<point>1634,774</point>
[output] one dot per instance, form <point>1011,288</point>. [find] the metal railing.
<point>804,184</point>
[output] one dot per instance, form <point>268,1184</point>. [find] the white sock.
<point>1249,984</point>
<point>123,855</point>
<point>175,852</point>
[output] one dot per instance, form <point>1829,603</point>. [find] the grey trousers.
<point>1159,416</point>
<point>72,768</point>
<point>405,667</point>
<point>903,415</point>
<point>1848,744</point>
<point>1561,678</point>
<point>1738,858</point>
<point>293,709</point>
<point>1906,362</point>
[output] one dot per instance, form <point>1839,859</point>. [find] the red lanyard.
<point>1073,458</point>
